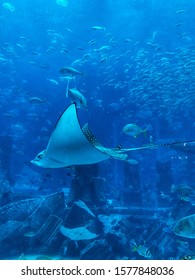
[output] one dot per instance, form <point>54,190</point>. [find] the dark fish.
<point>189,257</point>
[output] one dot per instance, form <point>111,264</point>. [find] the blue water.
<point>137,68</point>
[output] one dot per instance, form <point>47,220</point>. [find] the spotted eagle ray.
<point>76,234</point>
<point>70,144</point>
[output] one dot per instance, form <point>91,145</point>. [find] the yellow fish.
<point>142,251</point>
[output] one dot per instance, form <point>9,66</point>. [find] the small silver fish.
<point>97,27</point>
<point>54,82</point>
<point>180,11</point>
<point>133,130</point>
<point>77,97</point>
<point>132,161</point>
<point>8,6</point>
<point>37,100</point>
<point>185,227</point>
<point>69,71</point>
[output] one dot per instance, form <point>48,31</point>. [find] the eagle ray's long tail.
<point>152,146</point>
